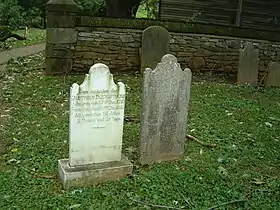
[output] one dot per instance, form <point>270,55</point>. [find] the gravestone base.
<point>160,158</point>
<point>90,175</point>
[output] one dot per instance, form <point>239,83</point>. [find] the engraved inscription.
<point>98,107</point>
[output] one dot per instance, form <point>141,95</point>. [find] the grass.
<point>242,121</point>
<point>34,36</point>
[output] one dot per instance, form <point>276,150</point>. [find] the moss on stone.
<point>179,27</point>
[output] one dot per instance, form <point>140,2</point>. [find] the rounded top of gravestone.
<point>100,69</point>
<point>157,28</point>
<point>169,58</point>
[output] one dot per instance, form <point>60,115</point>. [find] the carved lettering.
<point>98,107</point>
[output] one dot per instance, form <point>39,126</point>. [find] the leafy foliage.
<point>10,14</point>
<point>151,7</point>
<point>90,6</point>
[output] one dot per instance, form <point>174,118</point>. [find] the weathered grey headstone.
<point>165,98</point>
<point>273,76</point>
<point>96,130</point>
<point>155,44</point>
<point>248,65</point>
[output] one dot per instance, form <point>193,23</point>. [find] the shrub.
<point>10,14</point>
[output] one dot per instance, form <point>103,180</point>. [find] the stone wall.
<point>75,42</point>
<point>119,49</point>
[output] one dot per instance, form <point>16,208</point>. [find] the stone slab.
<point>96,118</point>
<point>155,44</point>
<point>62,6</point>
<point>90,175</point>
<point>58,20</point>
<point>59,51</point>
<point>164,111</point>
<point>248,65</point>
<point>273,76</point>
<point>61,36</point>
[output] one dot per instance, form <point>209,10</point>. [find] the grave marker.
<point>273,76</point>
<point>96,130</point>
<point>165,98</point>
<point>248,65</point>
<point>155,44</point>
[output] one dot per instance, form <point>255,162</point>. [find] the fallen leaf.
<point>75,206</point>
<point>222,170</point>
<point>14,150</point>
<point>268,124</point>
<point>131,149</point>
<point>43,176</point>
<point>12,160</point>
<point>257,181</point>
<point>188,159</point>
<point>76,191</point>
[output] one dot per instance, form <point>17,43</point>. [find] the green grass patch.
<point>34,36</point>
<point>243,122</point>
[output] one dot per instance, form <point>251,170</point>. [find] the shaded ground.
<point>243,121</point>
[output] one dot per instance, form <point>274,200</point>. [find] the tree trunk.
<point>122,8</point>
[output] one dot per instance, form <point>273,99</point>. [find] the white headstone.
<point>96,118</point>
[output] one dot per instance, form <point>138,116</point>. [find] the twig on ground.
<point>43,176</point>
<point>131,119</point>
<point>227,203</point>
<point>199,142</point>
<point>154,205</point>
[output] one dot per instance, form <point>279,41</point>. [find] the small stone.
<point>197,63</point>
<point>126,38</point>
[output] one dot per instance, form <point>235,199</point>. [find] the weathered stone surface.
<point>107,41</point>
<point>165,98</point>
<point>248,65</point>
<point>133,60</point>
<point>90,175</point>
<point>197,63</point>
<point>155,44</point>
<point>61,35</point>
<point>273,76</point>
<point>59,51</point>
<point>96,118</point>
<point>126,38</point>
<point>55,66</point>
<point>96,129</point>
<point>58,20</point>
